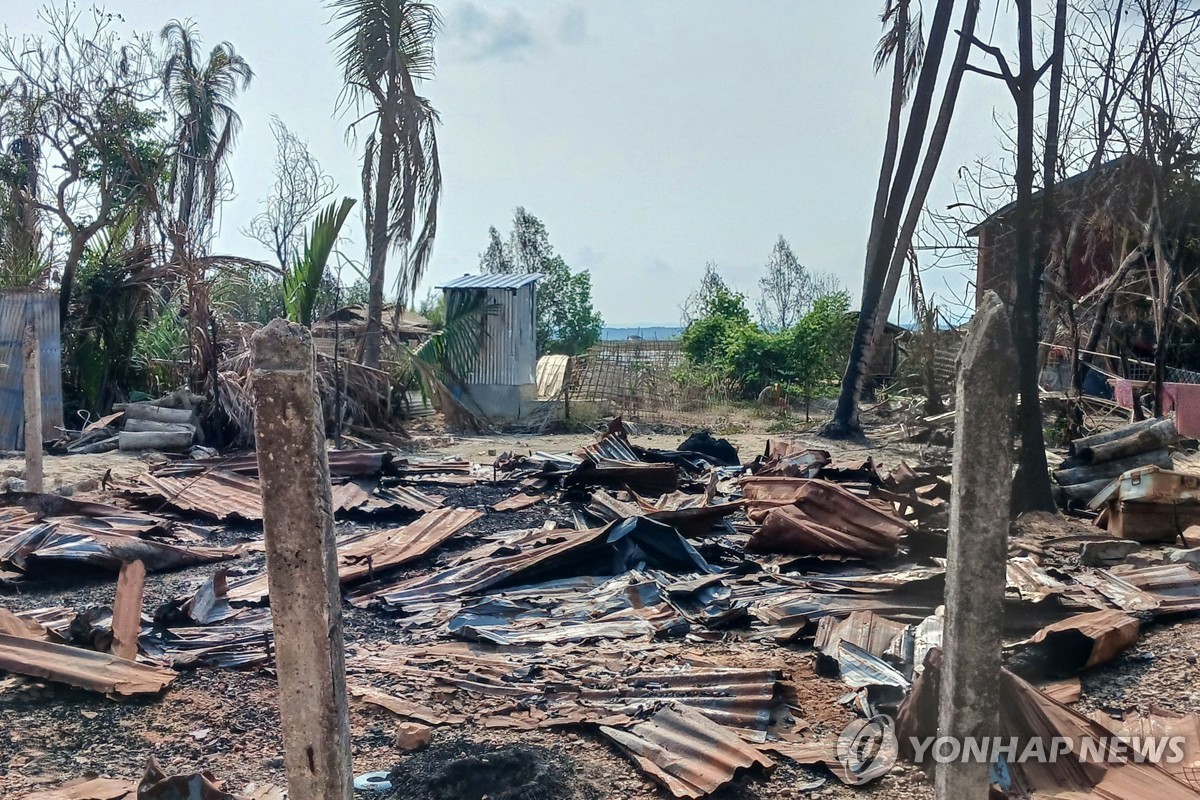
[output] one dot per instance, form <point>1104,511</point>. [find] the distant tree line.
<point>799,341</point>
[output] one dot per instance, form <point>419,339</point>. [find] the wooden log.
<point>149,425</point>
<point>1087,473</point>
<point>157,414</point>
<point>1160,434</point>
<point>127,610</point>
<point>155,440</point>
<point>1084,492</point>
<point>102,446</point>
<point>1110,436</point>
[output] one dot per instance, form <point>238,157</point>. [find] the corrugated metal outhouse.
<point>18,309</point>
<point>502,381</point>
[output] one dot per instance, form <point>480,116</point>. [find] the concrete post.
<point>306,605</point>
<point>978,545</point>
<point>33,411</point>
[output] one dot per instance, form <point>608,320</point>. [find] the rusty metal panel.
<point>342,464</point>
<point>217,494</point>
<point>84,669</point>
<point>17,309</point>
<point>362,555</point>
<point>686,752</point>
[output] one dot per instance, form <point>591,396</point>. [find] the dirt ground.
<point>224,721</point>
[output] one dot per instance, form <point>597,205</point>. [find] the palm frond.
<point>302,283</point>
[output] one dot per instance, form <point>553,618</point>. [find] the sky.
<point>650,137</point>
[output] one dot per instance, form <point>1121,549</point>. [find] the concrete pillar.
<point>306,605</point>
<point>33,411</point>
<point>978,545</point>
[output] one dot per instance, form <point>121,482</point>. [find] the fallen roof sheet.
<point>1161,724</point>
<point>610,550</point>
<point>405,708</point>
<point>239,642</point>
<point>53,544</point>
<point>84,669</point>
<point>687,753</point>
<point>342,464</point>
<point>817,516</point>
<point>871,632</point>
<point>573,686</point>
<point>362,555</point>
<point>1027,713</point>
<point>366,496</point>
<point>215,493</point>
<point>518,502</point>
<point>628,606</point>
<point>88,789</point>
<point>22,627</point>
<point>792,530</point>
<point>1086,640</point>
<point>1175,586</point>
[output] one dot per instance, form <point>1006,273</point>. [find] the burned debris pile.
<point>676,606</point>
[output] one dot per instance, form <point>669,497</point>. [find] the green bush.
<point>732,350</point>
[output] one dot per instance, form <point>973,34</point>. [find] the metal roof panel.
<point>493,281</point>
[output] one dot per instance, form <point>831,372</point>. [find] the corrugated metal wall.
<point>17,309</point>
<point>508,355</point>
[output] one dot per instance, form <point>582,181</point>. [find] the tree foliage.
<point>788,289</point>
<point>386,48</point>
<point>566,320</point>
<point>79,110</point>
<point>699,300</point>
<point>304,278</point>
<point>301,187</point>
<point>724,343</point>
<point>200,90</point>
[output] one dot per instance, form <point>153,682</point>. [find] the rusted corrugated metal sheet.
<point>342,464</point>
<point>84,669</point>
<point>576,685</point>
<point>572,610</point>
<point>685,752</point>
<point>483,567</point>
<point>380,550</point>
<point>1028,714</point>
<point>871,632</point>
<point>18,309</point>
<point>614,548</point>
<point>1175,586</point>
<point>216,494</point>
<point>58,544</point>
<point>362,555</point>
<point>1086,640</point>
<point>1028,580</point>
<point>366,497</point>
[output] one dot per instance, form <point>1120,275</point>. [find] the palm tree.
<point>884,232</point>
<point>201,92</point>
<point>933,155</point>
<point>385,48</point>
<point>903,44</point>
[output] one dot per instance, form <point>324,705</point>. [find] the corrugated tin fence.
<point>17,309</point>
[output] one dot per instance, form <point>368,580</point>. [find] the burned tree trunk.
<point>845,423</point>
